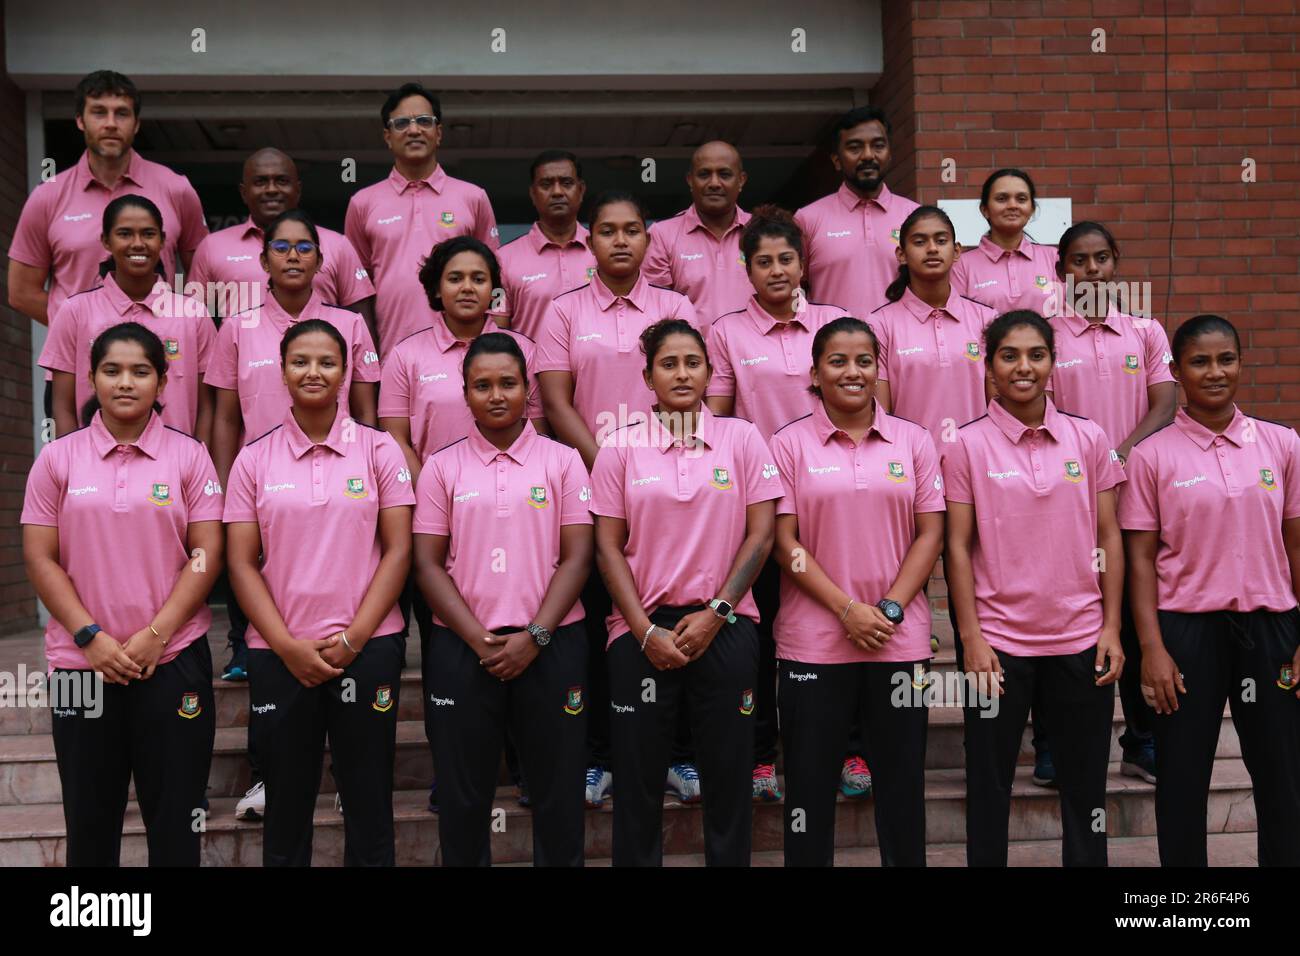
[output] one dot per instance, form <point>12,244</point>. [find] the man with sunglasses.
<point>395,223</point>
<point>227,266</point>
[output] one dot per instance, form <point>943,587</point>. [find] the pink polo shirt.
<point>857,507</point>
<point>247,359</point>
<point>123,514</point>
<point>765,364</point>
<point>535,270</point>
<point>595,335</point>
<point>1218,502</point>
<point>1103,370</point>
<point>1006,279</point>
<point>234,256</point>
<point>698,494</point>
<point>686,257</point>
<point>187,334</point>
<point>1035,497</point>
<point>933,360</point>
<point>422,381</point>
<point>849,245</point>
<point>503,511</point>
<point>394,225</point>
<point>317,508</point>
<point>60,224</point>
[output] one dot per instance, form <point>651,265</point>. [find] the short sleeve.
<point>508,296</point>
<point>392,477</point>
<point>1291,475</point>
<point>351,280</point>
<point>761,476</point>
<point>783,456</point>
<point>1105,461</point>
<point>200,485</point>
<point>880,325</point>
<point>45,484</point>
<point>575,490</point>
<point>957,277</point>
<point>686,312</point>
<point>59,354</point>
<point>365,358</point>
<point>395,387</point>
<point>200,271</point>
<point>485,222</point>
<point>1158,356</point>
<point>31,242</point>
<point>354,230</point>
<point>929,480</point>
<point>723,382</point>
<point>1139,505</point>
<point>205,334</point>
<point>241,489</point>
<point>956,473</point>
<point>194,228</point>
<point>553,346</point>
<point>607,482</point>
<point>657,265</point>
<point>432,512</point>
<point>223,362</point>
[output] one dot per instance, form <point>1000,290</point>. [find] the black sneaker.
<point>1140,761</point>
<point>433,797</point>
<point>1044,769</point>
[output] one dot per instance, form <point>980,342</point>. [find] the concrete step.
<point>33,834</point>
<point>29,774</point>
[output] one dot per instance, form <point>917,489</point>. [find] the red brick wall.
<point>1014,83</point>
<point>17,600</point>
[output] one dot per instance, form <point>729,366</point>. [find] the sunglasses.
<point>281,247</point>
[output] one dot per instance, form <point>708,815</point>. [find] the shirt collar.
<point>1015,430</point>
<point>639,296</point>
<point>300,444</point>
<point>133,172</point>
<point>692,220</point>
<point>251,229</point>
<point>435,180</point>
<point>485,451</point>
<point>852,200</point>
<point>921,310</point>
<point>881,424</point>
<point>662,438</point>
<point>445,341</point>
<point>123,302</point>
<point>766,322</point>
<point>283,319</point>
<point>996,252</point>
<point>1203,437</point>
<point>148,442</point>
<point>537,239</point>
<point>1078,324</point>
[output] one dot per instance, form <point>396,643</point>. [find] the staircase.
<point>32,831</point>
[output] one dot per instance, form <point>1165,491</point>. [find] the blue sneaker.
<point>684,781</point>
<point>237,669</point>
<point>1044,769</point>
<point>1140,761</point>
<point>597,785</point>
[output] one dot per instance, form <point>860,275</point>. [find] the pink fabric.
<point>535,270</point>
<point>686,257</point>
<point>1004,279</point>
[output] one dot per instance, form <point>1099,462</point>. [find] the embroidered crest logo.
<point>747,702</point>
<point>1286,678</point>
<point>355,488</point>
<point>973,351</point>
<point>896,472</point>
<point>537,497</point>
<point>919,676</point>
<point>1073,471</point>
<point>172,347</point>
<point>1267,481</point>
<point>383,698</point>
<point>591,271</point>
<point>161,494</point>
<point>721,479</point>
<point>447,219</point>
<point>573,701</point>
<point>1131,364</point>
<point>1040,281</point>
<point>190,707</point>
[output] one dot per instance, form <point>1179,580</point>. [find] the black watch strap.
<point>86,635</point>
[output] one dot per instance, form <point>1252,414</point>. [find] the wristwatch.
<point>723,610</point>
<point>541,636</point>
<point>86,635</point>
<point>892,610</point>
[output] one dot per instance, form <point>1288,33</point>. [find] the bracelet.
<point>348,645</point>
<point>645,640</point>
<point>845,614</point>
<point>156,634</point>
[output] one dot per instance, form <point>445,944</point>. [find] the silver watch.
<point>540,634</point>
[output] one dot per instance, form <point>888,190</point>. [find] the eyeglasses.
<point>424,121</point>
<point>281,247</point>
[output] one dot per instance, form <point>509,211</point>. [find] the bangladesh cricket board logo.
<point>173,349</point>
<point>1267,481</point>
<point>973,351</point>
<point>1040,281</point>
<point>355,488</point>
<point>161,493</point>
<point>1131,364</point>
<point>747,702</point>
<point>896,472</point>
<point>573,701</point>
<point>894,234</point>
<point>591,271</point>
<point>190,706</point>
<point>537,497</point>
<point>1073,470</point>
<point>447,219</point>
<point>1286,678</point>
<point>383,698</point>
<point>721,479</point>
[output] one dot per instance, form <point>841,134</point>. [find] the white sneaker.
<point>338,804</point>
<point>598,783</point>
<point>684,781</point>
<point>253,804</point>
